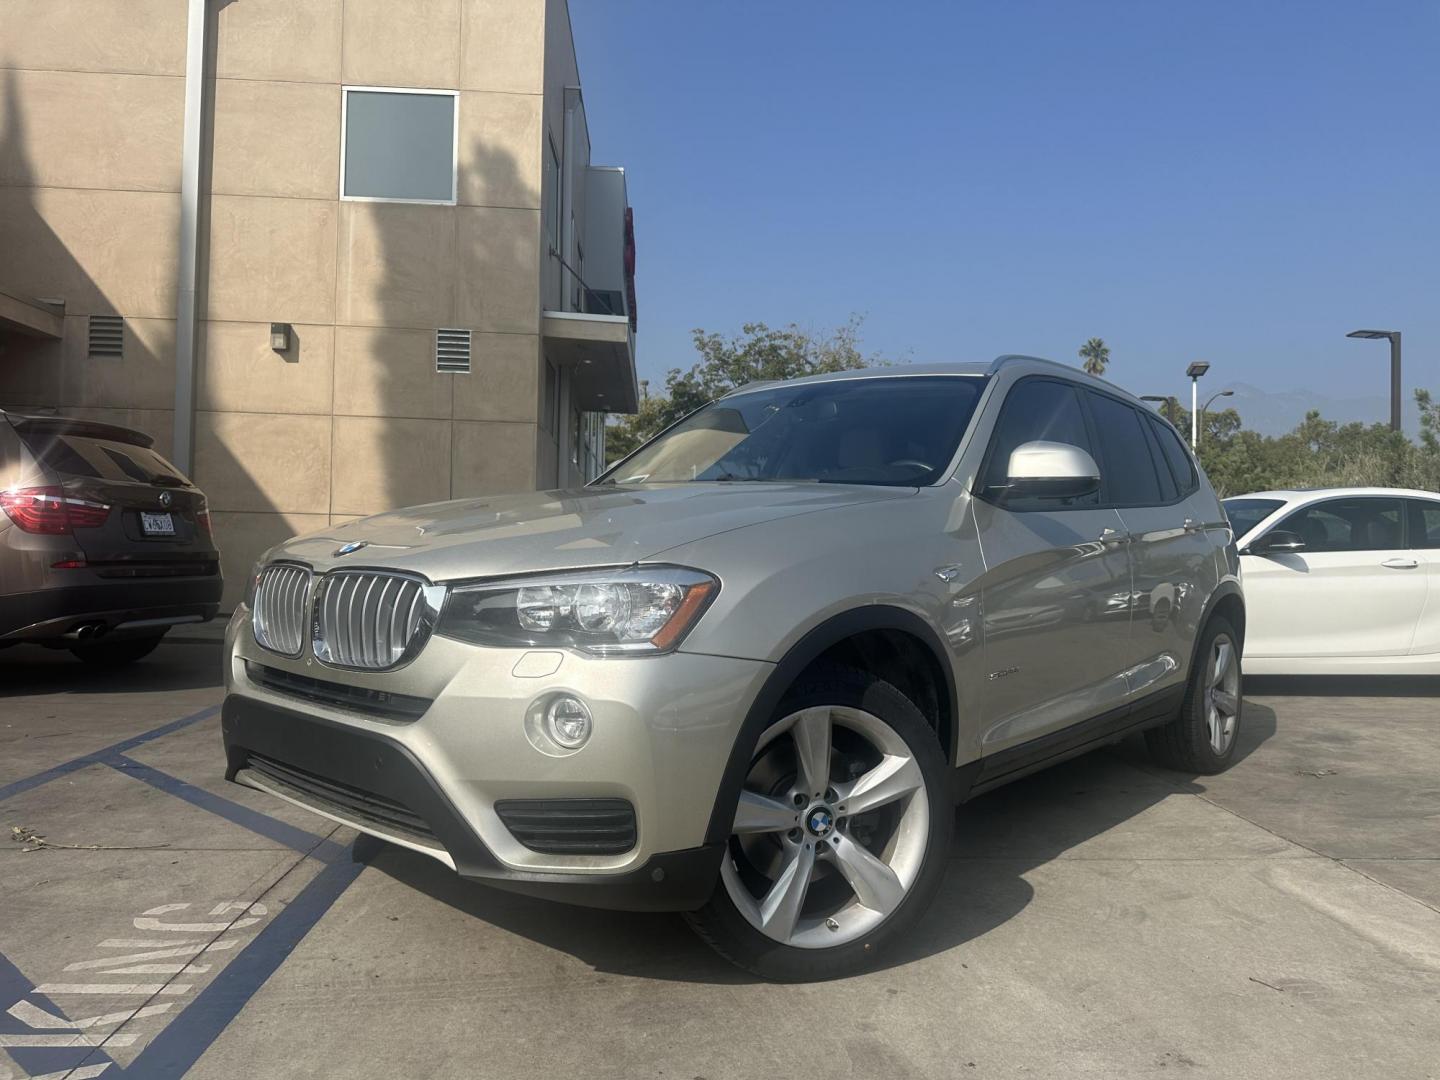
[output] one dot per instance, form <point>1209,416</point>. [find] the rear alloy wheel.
<point>840,836</point>
<point>114,654</point>
<point>1203,737</point>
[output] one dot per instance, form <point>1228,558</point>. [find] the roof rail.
<point>1010,358</point>
<point>756,384</point>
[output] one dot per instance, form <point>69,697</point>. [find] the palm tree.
<point>1096,355</point>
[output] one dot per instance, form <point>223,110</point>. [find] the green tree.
<point>759,353</point>
<point>1095,355</point>
<point>1318,453</point>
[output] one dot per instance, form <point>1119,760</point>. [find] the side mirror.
<point>1051,470</point>
<point>1276,542</point>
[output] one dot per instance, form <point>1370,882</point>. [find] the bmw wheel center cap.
<point>820,821</point>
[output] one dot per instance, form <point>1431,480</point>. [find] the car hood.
<point>556,530</point>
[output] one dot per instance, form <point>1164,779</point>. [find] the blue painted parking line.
<point>12,789</point>
<point>45,777</point>
<point>192,1030</point>
<point>179,1046</point>
<point>271,828</point>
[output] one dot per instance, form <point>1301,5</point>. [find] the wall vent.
<point>107,335</point>
<point>452,351</point>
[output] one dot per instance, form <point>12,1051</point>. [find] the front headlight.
<point>642,609</point>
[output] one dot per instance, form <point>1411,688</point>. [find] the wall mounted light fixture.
<point>280,336</point>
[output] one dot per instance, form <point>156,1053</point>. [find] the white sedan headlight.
<point>641,609</point>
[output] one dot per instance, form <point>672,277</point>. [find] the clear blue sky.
<point>1236,181</point>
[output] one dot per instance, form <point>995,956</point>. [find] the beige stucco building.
<point>357,249</point>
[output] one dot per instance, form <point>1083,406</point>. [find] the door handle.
<point>1193,526</point>
<point>1401,564</point>
<point>1114,536</point>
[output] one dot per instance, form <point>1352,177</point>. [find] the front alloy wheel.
<point>838,841</point>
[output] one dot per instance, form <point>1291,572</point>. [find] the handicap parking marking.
<point>46,1028</point>
<point>42,1038</point>
<point>255,912</point>
<point>38,1018</point>
<point>171,1053</point>
<point>38,1060</point>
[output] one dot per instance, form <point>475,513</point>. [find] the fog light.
<point>567,721</point>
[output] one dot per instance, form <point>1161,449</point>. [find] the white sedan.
<point>1342,581</point>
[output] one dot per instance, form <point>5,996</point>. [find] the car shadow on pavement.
<point>31,669</point>
<point>1257,727</point>
<point>1344,685</point>
<point>999,838</point>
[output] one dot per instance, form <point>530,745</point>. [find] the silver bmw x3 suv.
<point>748,672</point>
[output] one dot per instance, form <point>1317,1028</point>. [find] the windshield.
<point>892,430</point>
<point>1245,514</point>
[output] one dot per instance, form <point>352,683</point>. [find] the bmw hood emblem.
<point>351,547</point>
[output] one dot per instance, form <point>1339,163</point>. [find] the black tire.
<point>116,654</point>
<point>1184,744</point>
<point>725,929</point>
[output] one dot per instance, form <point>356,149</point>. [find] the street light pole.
<point>1212,397</point>
<point>1195,370</point>
<point>1394,336</point>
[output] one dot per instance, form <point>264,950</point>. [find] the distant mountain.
<point>1275,413</point>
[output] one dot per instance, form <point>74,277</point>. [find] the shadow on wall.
<point>50,238</point>
<point>405,433</point>
<point>33,263</point>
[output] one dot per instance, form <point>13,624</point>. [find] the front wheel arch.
<point>806,652</point>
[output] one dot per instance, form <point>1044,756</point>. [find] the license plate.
<point>157,524</point>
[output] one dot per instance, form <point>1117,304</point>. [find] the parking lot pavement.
<point>1104,918</point>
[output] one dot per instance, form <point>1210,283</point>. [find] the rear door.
<point>1355,589</point>
<point>1169,521</point>
<point>156,515</point>
<point>1424,538</point>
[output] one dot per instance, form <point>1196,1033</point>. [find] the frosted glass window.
<point>399,145</point>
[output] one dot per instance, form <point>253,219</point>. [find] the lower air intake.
<point>570,826</point>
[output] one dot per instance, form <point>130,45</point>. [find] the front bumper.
<point>663,731</point>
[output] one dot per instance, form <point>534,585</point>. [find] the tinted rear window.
<point>1128,471</point>
<point>100,459</point>
<point>1176,457</point>
<point>1364,523</point>
<point>1424,524</point>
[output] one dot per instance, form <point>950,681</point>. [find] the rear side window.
<point>1169,490</point>
<point>1037,410</point>
<point>1127,468</point>
<point>101,459</point>
<point>1361,524</point>
<point>1424,524</point>
<point>1177,458</point>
